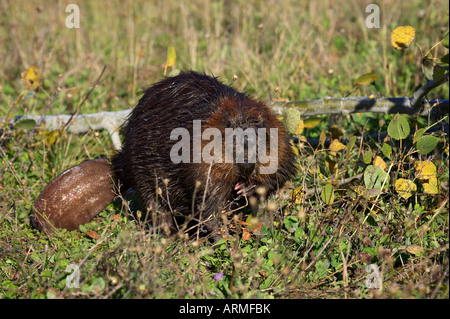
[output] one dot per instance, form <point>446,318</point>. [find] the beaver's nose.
<point>245,169</point>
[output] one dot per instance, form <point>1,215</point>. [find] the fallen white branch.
<point>347,105</point>
<point>112,121</point>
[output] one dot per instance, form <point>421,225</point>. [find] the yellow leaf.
<point>300,128</point>
<point>31,77</point>
<point>432,187</point>
<point>401,37</point>
<point>279,99</point>
<point>425,170</point>
<point>171,56</point>
<point>378,161</point>
<point>322,137</point>
<point>405,187</point>
<point>335,147</point>
<point>366,79</point>
<point>375,211</point>
<point>302,139</point>
<point>298,195</point>
<point>360,190</point>
<point>414,249</point>
<point>312,122</point>
<point>295,150</point>
<point>52,137</point>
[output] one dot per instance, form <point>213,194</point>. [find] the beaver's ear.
<point>74,197</point>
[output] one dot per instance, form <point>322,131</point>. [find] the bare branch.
<point>112,121</point>
<point>420,94</point>
<point>346,105</point>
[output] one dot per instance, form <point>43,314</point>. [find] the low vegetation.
<point>366,216</point>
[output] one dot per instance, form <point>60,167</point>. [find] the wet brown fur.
<point>74,197</point>
<point>144,164</point>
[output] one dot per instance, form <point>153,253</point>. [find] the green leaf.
<point>370,250</point>
<point>350,145</point>
<point>367,156</point>
<point>398,128</point>
<point>291,222</point>
<point>322,268</point>
<point>444,61</point>
<point>220,243</point>
<point>426,144</point>
<point>292,120</point>
<point>418,134</point>
<point>47,273</point>
<point>174,72</point>
<point>375,176</point>
<point>371,221</point>
<point>387,150</point>
<point>26,124</point>
<point>299,233</point>
<point>445,40</point>
<point>9,289</point>
<point>98,284</point>
<point>438,72</point>
<point>50,294</point>
<point>327,194</point>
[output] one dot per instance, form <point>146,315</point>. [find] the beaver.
<point>194,146</point>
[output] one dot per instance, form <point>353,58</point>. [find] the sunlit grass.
<point>297,50</point>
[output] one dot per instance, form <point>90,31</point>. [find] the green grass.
<point>299,246</point>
